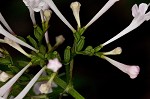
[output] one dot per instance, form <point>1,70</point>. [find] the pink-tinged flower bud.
<point>132,71</point>
<point>54,65</point>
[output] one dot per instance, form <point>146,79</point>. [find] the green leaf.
<point>38,33</point>
<point>67,54</point>
<point>42,49</point>
<point>14,69</point>
<point>77,36</point>
<point>80,44</point>
<point>42,63</point>
<point>22,63</point>
<point>5,61</point>
<point>81,30</point>
<point>32,41</point>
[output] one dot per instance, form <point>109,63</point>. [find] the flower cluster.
<point>49,59</point>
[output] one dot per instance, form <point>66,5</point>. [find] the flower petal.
<point>135,10</point>
<point>147,16</point>
<point>143,8</point>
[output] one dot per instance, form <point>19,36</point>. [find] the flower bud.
<point>115,51</point>
<point>45,88</point>
<point>4,77</point>
<point>60,39</point>
<point>75,6</point>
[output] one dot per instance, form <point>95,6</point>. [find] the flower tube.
<point>58,13</point>
<point>16,46</point>
<point>5,24</point>
<point>101,12</point>
<point>139,15</point>
<point>132,71</point>
<point>15,39</point>
<point>75,6</point>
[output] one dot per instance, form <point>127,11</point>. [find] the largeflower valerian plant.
<point>18,83</point>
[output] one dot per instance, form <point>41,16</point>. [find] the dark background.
<point>95,78</point>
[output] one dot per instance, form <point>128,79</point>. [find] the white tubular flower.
<point>115,51</point>
<point>9,84</point>
<point>30,84</point>
<point>132,71</point>
<point>36,5</point>
<point>32,15</point>
<point>101,12</point>
<point>58,13</point>
<point>4,77</point>
<point>15,39</point>
<point>75,6</point>
<point>139,15</point>
<point>16,46</point>
<point>54,65</point>
<point>6,94</point>
<point>60,39</point>
<point>5,24</point>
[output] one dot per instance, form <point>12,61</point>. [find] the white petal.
<point>147,16</point>
<point>135,11</point>
<point>26,2</point>
<point>143,8</point>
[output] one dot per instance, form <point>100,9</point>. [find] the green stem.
<point>71,90</point>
